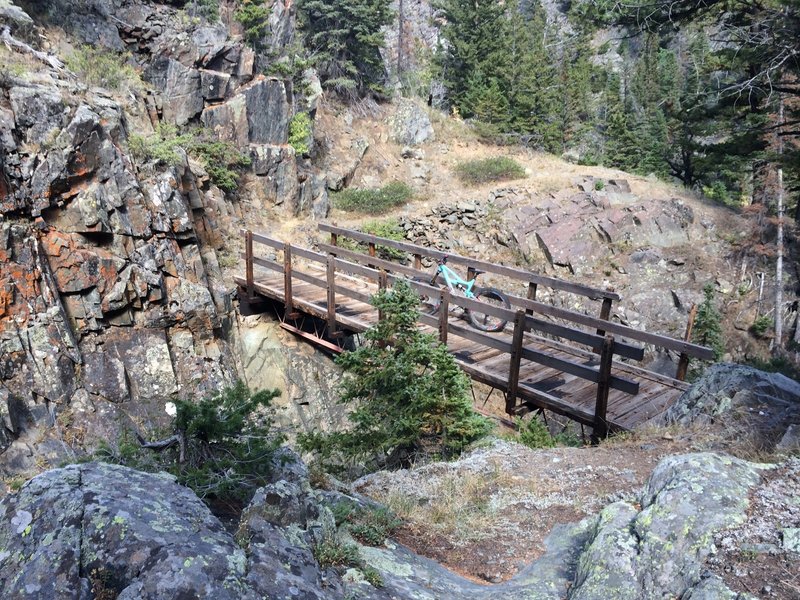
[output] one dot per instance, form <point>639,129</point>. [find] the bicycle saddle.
<point>478,272</point>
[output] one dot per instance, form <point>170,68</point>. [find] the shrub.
<point>220,159</point>
<point>369,525</point>
<point>332,552</point>
<point>387,228</point>
<point>103,68</point>
<point>707,327</point>
<point>300,133</point>
<point>761,325</point>
<point>209,9</point>
<point>373,201</point>
<point>222,448</point>
<point>409,398</point>
<point>534,433</point>
<point>501,168</point>
<point>254,18</point>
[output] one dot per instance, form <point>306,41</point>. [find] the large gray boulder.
<point>410,125</point>
<point>93,529</point>
<point>749,409</point>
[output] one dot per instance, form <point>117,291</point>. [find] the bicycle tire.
<point>486,322</point>
<point>428,304</point>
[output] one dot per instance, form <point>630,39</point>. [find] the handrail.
<point>661,341</point>
<point>512,272</point>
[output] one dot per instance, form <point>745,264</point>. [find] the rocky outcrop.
<point>748,410</point>
<point>94,528</point>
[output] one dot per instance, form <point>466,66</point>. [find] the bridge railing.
<point>683,348</point>
<point>385,272</point>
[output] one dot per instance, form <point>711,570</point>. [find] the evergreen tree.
<point>345,38</point>
<point>476,35</point>
<point>408,396</point>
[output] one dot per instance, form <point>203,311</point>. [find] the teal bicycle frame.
<point>452,279</point>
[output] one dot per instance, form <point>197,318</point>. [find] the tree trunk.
<point>779,262</point>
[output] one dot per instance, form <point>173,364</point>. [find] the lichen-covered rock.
<point>116,531</point>
<point>749,408</point>
<point>658,551</point>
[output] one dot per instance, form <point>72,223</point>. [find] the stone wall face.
<point>112,298</point>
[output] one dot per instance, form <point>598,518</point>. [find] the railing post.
<point>444,314</point>
<point>516,359</point>
<point>600,428</point>
<point>683,361</point>
<point>248,251</point>
<point>418,262</point>
<point>331,288</point>
<point>532,287</point>
<point>334,238</point>
<point>470,273</point>
<point>287,281</point>
<point>605,313</point>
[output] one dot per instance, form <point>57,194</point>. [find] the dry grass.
<point>457,505</point>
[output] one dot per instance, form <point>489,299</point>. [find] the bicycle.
<point>469,289</point>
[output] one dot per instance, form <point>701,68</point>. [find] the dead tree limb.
<point>14,44</point>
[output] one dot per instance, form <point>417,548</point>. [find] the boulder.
<point>410,124</point>
<point>99,530</point>
<point>747,408</point>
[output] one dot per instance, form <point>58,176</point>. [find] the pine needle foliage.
<point>410,399</point>
<point>707,327</point>
<point>253,15</point>
<point>345,37</point>
<point>223,446</point>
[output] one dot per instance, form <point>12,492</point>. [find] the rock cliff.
<point>113,289</point>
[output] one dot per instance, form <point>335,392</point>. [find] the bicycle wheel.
<point>428,303</point>
<point>486,322</point>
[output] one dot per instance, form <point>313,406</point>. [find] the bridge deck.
<point>539,386</point>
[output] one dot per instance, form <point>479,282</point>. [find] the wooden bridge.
<point>547,357</point>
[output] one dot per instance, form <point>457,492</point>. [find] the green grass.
<point>373,201</point>
<point>501,168</point>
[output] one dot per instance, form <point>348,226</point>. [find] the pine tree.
<point>476,36</point>
<point>408,396</point>
<point>345,38</point>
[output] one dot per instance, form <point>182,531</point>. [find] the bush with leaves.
<point>222,160</point>
<point>222,447</point>
<point>500,168</point>
<point>385,228</point>
<point>409,398</point>
<point>373,201</point>
<point>300,134</point>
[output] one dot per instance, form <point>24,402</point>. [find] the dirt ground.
<point>487,515</point>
